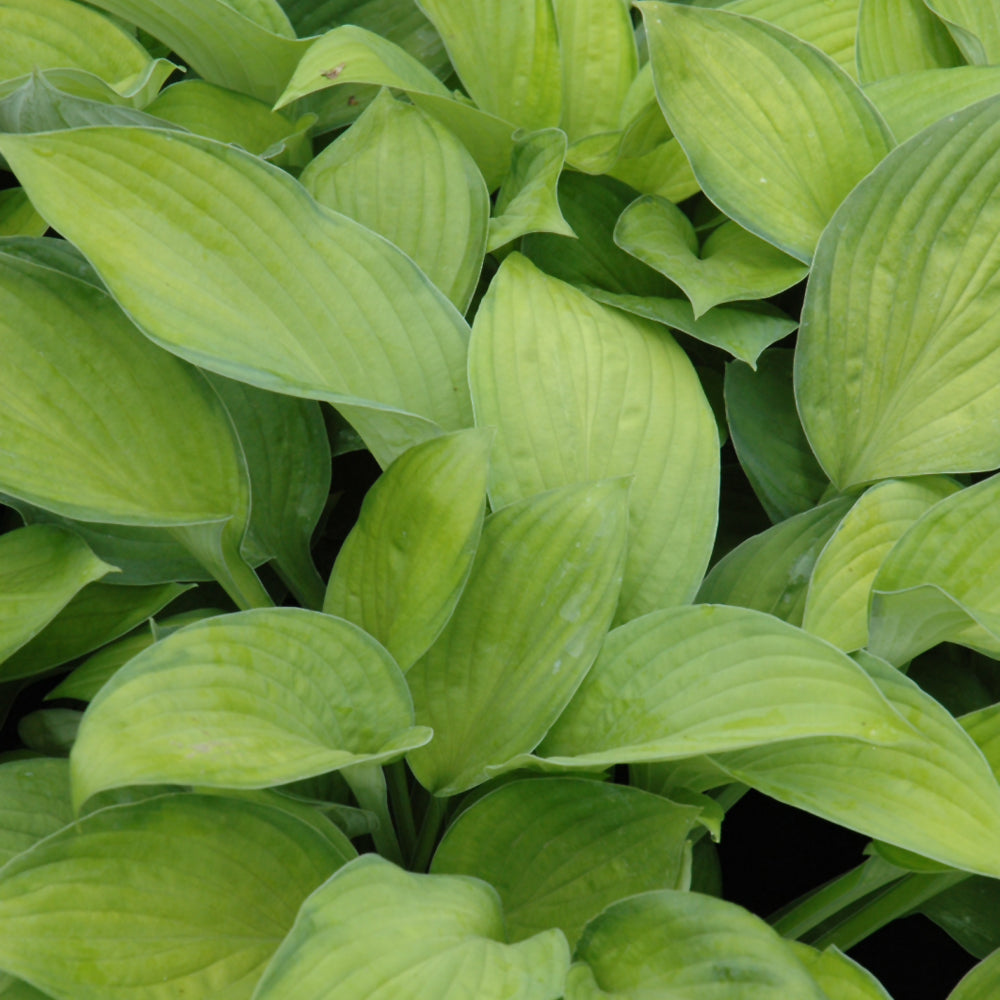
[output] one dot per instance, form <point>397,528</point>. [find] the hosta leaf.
<point>839,977</point>
<point>799,133</point>
<point>770,571</point>
<point>18,989</point>
<point>527,201</point>
<point>968,913</point>
<point>44,34</point>
<point>981,983</point>
<point>96,615</point>
<point>34,802</point>
<point>287,452</point>
<point>38,106</point>
<point>402,568</point>
<point>184,895</point>
<point>830,25</point>
<point>213,111</point>
<point>51,252</point>
<point>350,55</point>
<point>598,56</point>
<point>901,36</point>
<point>591,206</point>
<point>41,569</point>
<point>144,556</point>
<point>507,56</point>
<point>581,845</point>
<point>18,216</point>
<point>701,679</point>
<point>49,731</point>
<point>913,101</point>
<point>669,943</point>
<point>84,681</point>
<point>79,387</point>
<point>900,377</point>
<point>933,794</point>
<point>840,586</point>
<point>375,932</point>
<point>220,41</point>
<point>939,581</point>
<point>768,437</point>
<point>975,27</point>
<point>744,330</point>
<point>732,264</point>
<point>664,171</point>
<point>340,314</point>
<point>248,700</point>
<point>539,600</point>
<point>399,171</point>
<point>579,392</point>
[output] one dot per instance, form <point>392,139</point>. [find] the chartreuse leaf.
<point>184,895</point>
<point>913,101</point>
<point>287,452</point>
<point>768,437</point>
<point>79,387</point>
<point>41,569</point>
<point>841,582</point>
<point>732,263</point>
<point>245,45</point>
<point>744,330</point>
<point>44,34</point>
<point>900,377</point>
<point>981,983</point>
<point>248,700</point>
<point>975,28</point>
<point>539,600</point>
<point>374,932</point>
<point>664,171</point>
<point>581,845</point>
<point>702,679</point>
<point>34,802</point>
<point>213,111</point>
<point>599,61</point>
<point>770,571</point>
<point>350,55</point>
<point>527,201</point>
<point>507,56</point>
<point>84,681</point>
<point>839,977</point>
<point>97,615</point>
<point>339,313</point>
<point>830,25</point>
<point>591,206</point>
<point>399,171</point>
<point>933,794</point>
<point>799,133</point>
<point>18,216</point>
<point>901,37</point>
<point>402,568</point>
<point>580,392</point>
<point>939,582</point>
<point>669,943</point>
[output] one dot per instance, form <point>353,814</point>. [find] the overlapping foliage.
<point>673,331</point>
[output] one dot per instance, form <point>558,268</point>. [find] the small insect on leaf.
<point>332,74</point>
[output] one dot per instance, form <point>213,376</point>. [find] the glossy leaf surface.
<point>374,931</point>
<point>246,701</point>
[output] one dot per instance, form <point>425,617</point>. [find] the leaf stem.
<point>368,785</point>
<point>427,841</point>
<point>402,806</point>
<point>298,573</point>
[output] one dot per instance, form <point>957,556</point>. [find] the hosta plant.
<point>451,450</point>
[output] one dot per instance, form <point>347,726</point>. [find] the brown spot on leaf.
<point>332,74</point>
